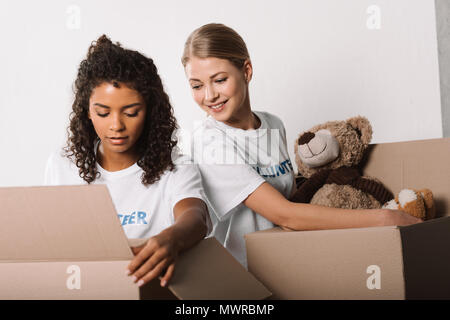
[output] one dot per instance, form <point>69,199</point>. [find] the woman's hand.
<point>152,259</point>
<point>161,251</point>
<point>398,218</point>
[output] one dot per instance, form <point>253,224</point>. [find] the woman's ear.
<point>248,70</point>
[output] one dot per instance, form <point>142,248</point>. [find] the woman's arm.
<point>271,204</point>
<point>161,250</point>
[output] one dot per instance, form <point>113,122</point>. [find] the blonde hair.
<point>218,41</point>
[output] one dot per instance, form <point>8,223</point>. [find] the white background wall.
<point>314,61</point>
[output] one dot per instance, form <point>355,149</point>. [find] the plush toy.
<point>418,203</point>
<point>328,156</point>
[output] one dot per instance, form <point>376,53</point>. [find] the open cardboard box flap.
<point>51,235</point>
<point>209,272</point>
<point>60,223</point>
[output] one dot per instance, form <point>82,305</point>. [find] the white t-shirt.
<point>143,211</point>
<point>233,163</point>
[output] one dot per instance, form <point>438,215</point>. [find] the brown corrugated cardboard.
<point>66,242</point>
<point>410,262</point>
<point>413,164</point>
<point>210,272</point>
<point>329,264</point>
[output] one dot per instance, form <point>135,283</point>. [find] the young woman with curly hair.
<point>121,134</point>
<point>252,194</point>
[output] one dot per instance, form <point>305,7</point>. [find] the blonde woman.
<point>250,192</point>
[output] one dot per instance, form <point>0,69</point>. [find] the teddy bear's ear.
<point>362,127</point>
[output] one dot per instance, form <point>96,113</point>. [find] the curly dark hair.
<point>108,62</point>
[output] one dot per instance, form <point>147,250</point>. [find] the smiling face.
<point>220,88</point>
<point>118,115</point>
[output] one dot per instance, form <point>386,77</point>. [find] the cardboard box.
<point>66,242</point>
<point>410,262</point>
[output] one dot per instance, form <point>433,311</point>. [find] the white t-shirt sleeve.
<point>226,183</point>
<point>274,122</point>
<point>186,182</point>
<point>60,170</point>
<point>54,169</point>
<point>227,186</point>
<point>49,174</point>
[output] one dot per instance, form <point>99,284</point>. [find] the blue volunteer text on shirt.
<point>137,217</point>
<point>275,170</point>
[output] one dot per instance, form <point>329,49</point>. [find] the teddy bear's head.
<point>332,145</point>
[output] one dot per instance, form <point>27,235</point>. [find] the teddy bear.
<point>328,155</point>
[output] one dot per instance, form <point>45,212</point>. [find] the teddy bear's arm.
<point>308,188</point>
<point>374,188</point>
<point>343,176</point>
<point>351,176</point>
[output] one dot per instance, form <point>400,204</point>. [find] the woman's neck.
<point>245,119</point>
<point>115,161</point>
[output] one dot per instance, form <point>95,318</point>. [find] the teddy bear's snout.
<point>306,138</point>
<point>317,149</point>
